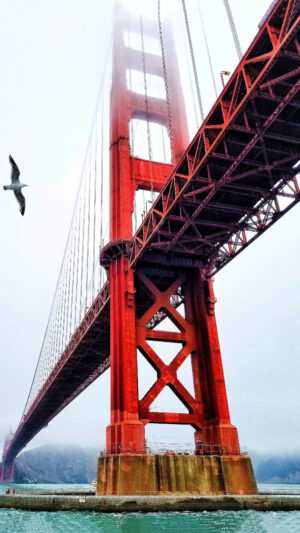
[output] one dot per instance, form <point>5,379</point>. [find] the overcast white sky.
<point>52,55</point>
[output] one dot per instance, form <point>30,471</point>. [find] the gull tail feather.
<point>5,187</point>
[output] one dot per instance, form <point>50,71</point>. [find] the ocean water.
<point>12,521</point>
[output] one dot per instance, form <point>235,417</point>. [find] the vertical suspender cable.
<point>54,330</point>
<point>146,104</point>
<point>66,279</point>
<point>65,306</point>
<point>63,312</point>
<point>94,213</point>
<point>54,300</point>
<point>50,342</point>
<point>165,73</point>
<point>68,298</point>
<point>150,155</point>
<point>57,322</point>
<point>189,36</point>
<point>195,104</point>
<point>101,190</point>
<point>145,90</point>
<point>61,316</point>
<point>82,250</point>
<point>47,353</point>
<point>233,29</point>
<point>77,310</point>
<point>163,144</point>
<point>132,144</point>
<point>207,50</point>
<point>54,320</point>
<point>73,279</point>
<point>88,234</point>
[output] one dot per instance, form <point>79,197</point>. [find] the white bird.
<point>16,186</point>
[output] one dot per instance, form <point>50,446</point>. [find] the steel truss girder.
<point>196,338</point>
<point>229,131</point>
<point>95,322</point>
<point>166,374</point>
<point>256,223</point>
<point>32,422</point>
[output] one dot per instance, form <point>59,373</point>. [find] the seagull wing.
<point>15,172</point>
<point>21,199</point>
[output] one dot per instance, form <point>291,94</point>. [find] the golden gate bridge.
<point>167,213</point>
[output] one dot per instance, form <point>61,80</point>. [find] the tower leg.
<point>7,472</point>
<point>126,433</point>
<point>141,300</point>
<point>139,304</point>
<point>217,433</point>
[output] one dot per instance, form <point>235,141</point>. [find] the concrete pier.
<point>175,474</point>
<point>126,504</point>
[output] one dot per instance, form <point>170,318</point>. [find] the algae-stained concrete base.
<point>130,504</point>
<point>175,474</point>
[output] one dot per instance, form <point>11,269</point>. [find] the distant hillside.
<point>277,468</point>
<point>72,464</point>
<point>56,464</point>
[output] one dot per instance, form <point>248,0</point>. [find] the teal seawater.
<point>12,521</point>
<point>220,522</point>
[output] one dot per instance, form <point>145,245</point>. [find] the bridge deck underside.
<point>234,181</point>
<point>237,177</point>
<point>86,357</point>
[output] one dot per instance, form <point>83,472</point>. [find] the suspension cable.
<point>82,250</point>
<point>64,308</point>
<point>64,305</point>
<point>73,279</point>
<point>53,303</point>
<point>189,36</point>
<point>146,104</point>
<point>233,29</point>
<point>57,322</point>
<point>101,190</point>
<point>163,144</point>
<point>145,89</point>
<point>194,98</point>
<point>95,207</point>
<point>150,152</point>
<point>69,283</point>
<point>207,50</point>
<point>165,74</point>
<point>77,314</point>
<point>132,134</point>
<point>88,233</point>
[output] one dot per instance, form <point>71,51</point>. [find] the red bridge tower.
<point>142,297</point>
<point>6,468</point>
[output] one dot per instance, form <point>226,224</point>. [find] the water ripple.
<point>12,521</point>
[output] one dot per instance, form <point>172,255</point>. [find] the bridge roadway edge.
<point>126,504</point>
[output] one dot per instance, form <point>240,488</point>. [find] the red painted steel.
<point>128,173</point>
<point>235,180</point>
<point>7,471</point>
<point>196,337</point>
<point>6,467</point>
<point>226,189</point>
<point>84,359</point>
<point>126,431</point>
<point>137,296</point>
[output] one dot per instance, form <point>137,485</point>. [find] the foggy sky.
<point>52,55</point>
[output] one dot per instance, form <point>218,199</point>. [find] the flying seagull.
<point>16,186</point>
